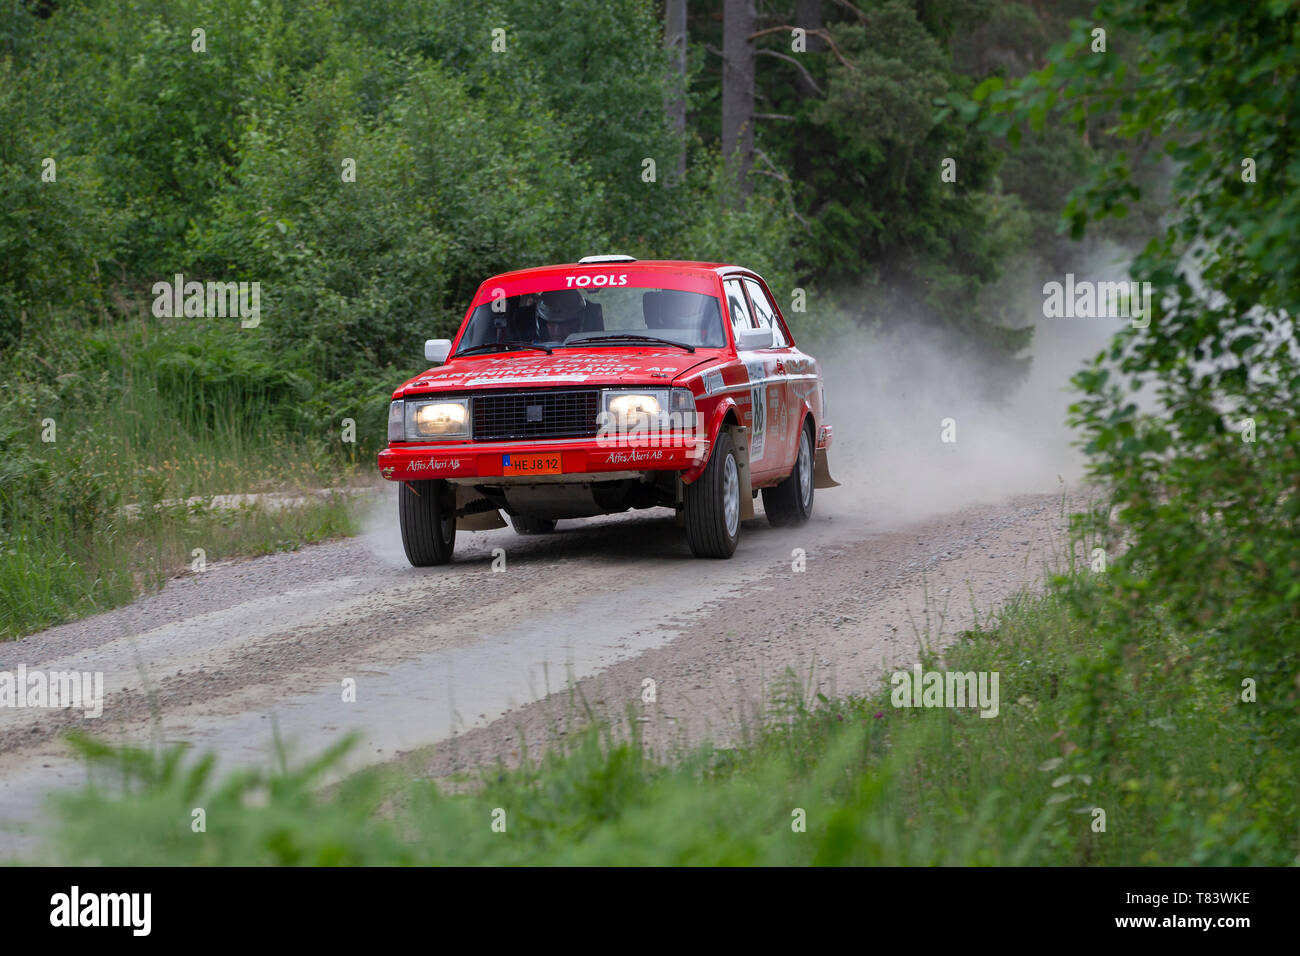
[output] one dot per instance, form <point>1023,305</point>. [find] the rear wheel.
<point>791,502</point>
<point>712,504</point>
<point>523,524</point>
<point>426,511</point>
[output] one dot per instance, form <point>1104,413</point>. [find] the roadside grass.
<point>142,419</point>
<point>47,578</point>
<point>873,784</point>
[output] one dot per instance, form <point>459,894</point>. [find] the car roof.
<point>669,265</point>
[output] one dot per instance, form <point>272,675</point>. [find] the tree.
<point>675,44</point>
<point>738,20</point>
<point>1189,417</point>
<point>808,14</point>
<point>850,119</point>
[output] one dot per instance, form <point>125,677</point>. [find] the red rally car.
<point>609,384</point>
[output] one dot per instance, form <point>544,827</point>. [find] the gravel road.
<point>463,664</point>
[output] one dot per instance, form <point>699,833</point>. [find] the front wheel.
<point>712,504</point>
<point>426,511</point>
<point>791,502</point>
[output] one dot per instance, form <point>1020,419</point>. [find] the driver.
<point>560,312</point>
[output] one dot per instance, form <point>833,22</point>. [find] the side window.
<point>764,313</point>
<point>740,319</point>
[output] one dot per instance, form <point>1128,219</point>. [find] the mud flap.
<point>740,436</point>
<point>822,471</point>
<point>486,520</point>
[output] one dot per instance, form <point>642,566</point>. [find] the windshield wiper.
<point>626,337</point>
<point>503,347</point>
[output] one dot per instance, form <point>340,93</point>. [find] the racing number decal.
<point>758,401</point>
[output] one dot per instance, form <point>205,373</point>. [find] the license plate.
<point>530,464</point>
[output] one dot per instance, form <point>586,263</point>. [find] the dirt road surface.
<point>471,663</point>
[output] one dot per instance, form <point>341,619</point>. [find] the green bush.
<point>1189,417</point>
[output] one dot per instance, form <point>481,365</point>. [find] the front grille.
<point>554,413</point>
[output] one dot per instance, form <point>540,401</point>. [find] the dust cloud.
<point>894,397</point>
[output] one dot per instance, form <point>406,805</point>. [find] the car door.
<point>755,364</point>
<point>783,404</point>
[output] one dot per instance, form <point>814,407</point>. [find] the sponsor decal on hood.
<point>612,369</point>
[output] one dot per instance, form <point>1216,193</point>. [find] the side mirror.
<point>751,339</point>
<point>437,350</point>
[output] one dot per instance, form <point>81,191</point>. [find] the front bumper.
<point>579,457</point>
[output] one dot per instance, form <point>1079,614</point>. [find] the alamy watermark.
<point>209,300</point>
<point>132,911</point>
<point>917,688</point>
<point>74,690</point>
<point>1085,299</point>
<point>645,436</point>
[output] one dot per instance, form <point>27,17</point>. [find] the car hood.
<point>602,366</point>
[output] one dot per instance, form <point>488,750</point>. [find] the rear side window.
<point>736,307</point>
<point>765,313</point>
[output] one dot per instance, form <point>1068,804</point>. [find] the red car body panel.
<point>771,392</point>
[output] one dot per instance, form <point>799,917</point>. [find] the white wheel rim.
<point>805,470</point>
<point>731,496</point>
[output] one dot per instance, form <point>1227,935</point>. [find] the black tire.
<point>523,524</point>
<point>790,503</point>
<point>711,504</point>
<point>427,515</point>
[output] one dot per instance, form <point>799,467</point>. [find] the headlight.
<point>396,422</point>
<point>442,419</point>
<point>657,409</point>
<point>632,406</point>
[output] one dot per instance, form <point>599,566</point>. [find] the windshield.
<point>568,318</point>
